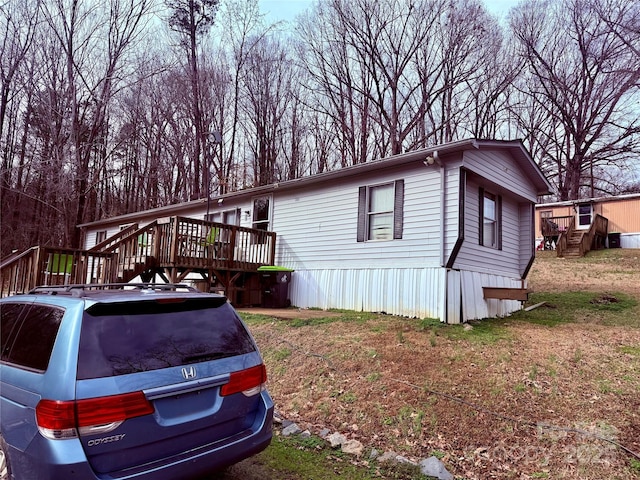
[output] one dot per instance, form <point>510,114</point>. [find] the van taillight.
<point>250,381</point>
<point>58,419</point>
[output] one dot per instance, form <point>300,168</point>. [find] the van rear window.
<point>129,337</point>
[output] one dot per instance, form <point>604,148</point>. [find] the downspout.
<point>443,198</point>
<point>533,242</point>
<point>436,159</point>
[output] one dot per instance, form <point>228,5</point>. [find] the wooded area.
<point>109,107</point>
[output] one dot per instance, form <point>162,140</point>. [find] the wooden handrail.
<point>599,227</point>
<point>114,239</point>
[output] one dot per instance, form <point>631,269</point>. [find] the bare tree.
<point>585,78</point>
<point>192,19</point>
<point>95,40</point>
<point>243,31</point>
<point>267,95</point>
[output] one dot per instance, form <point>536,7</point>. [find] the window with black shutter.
<point>380,211</point>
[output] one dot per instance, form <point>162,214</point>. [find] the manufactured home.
<point>444,232</point>
<point>622,213</point>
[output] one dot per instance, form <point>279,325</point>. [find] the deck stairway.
<point>571,242</point>
<point>212,256</point>
<point>574,241</point>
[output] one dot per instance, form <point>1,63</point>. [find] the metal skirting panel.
<point>630,240</point>
<point>475,307</point>
<point>415,292</point>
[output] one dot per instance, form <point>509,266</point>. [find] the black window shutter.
<point>481,223</point>
<point>362,214</point>
<point>398,210</point>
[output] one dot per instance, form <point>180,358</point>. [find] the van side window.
<point>9,315</point>
<point>35,338</point>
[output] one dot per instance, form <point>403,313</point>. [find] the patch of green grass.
<point>635,465</point>
<point>281,354</point>
<point>339,316</point>
<point>256,318</point>
<point>439,454</point>
<point>297,458</point>
<point>348,397</point>
<point>373,377</point>
<point>577,355</point>
<point>336,316</point>
<point>428,324</point>
<point>630,350</point>
<point>485,332</point>
<point>566,307</point>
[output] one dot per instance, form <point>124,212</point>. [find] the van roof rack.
<point>77,290</point>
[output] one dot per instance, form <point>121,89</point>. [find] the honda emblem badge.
<point>189,372</point>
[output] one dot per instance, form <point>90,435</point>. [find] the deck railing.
<point>176,242</point>
<point>52,266</point>
<point>189,242</point>
<point>554,226</point>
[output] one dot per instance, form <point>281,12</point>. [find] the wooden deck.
<point>213,256</point>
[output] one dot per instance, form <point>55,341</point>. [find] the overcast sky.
<point>288,9</point>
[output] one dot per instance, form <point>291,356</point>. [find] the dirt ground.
<point>558,402</point>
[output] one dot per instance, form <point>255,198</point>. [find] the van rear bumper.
<point>58,459</point>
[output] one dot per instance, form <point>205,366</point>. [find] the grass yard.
<point>551,393</point>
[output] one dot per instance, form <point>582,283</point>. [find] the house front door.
<point>584,214</point>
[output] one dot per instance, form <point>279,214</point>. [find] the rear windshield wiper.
<point>204,356</point>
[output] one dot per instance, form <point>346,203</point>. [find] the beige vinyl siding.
<point>623,215</point>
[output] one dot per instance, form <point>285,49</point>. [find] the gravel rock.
<point>336,439</point>
<point>353,447</point>
<point>388,457</point>
<point>432,467</point>
<point>291,429</point>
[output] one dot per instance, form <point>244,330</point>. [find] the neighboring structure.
<point>622,213</point>
<point>421,234</point>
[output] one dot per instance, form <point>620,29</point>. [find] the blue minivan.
<point>127,382</point>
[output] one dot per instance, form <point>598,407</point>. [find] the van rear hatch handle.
<point>185,387</point>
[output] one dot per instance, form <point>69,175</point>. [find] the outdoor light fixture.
<point>431,159</point>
